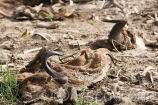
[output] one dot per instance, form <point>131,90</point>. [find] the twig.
<point>125,55</point>
<point>150,77</point>
<point>43,36</point>
<point>7,15</point>
<point>70,2</point>
<point>79,47</point>
<point>146,70</point>
<point>72,55</point>
<point>120,44</point>
<point>113,58</point>
<point>118,72</point>
<point>117,4</point>
<point>156,19</point>
<point>114,46</point>
<point>32,50</point>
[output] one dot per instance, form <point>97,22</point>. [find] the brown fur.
<point>7,7</point>
<point>10,10</point>
<point>89,61</point>
<point>35,85</point>
<point>121,38</point>
<point>129,40</point>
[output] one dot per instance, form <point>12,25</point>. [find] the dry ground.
<point>82,28</point>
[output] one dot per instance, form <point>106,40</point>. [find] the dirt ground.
<point>85,28</point>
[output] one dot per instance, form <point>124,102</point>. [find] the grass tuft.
<point>82,100</point>
<point>50,17</point>
<point>8,86</point>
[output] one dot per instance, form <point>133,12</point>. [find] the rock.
<point>103,89</point>
<point>120,83</point>
<point>4,56</point>
<point>67,36</point>
<point>136,10</point>
<point>149,21</point>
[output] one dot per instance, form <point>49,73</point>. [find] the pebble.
<point>149,21</point>
<point>4,56</point>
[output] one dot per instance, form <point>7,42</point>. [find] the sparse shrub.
<point>82,100</point>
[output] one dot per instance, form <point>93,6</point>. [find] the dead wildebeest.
<point>88,69</point>
<point>121,38</point>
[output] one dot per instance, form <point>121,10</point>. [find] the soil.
<point>141,20</point>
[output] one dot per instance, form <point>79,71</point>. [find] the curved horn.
<point>56,76</point>
<point>116,30</point>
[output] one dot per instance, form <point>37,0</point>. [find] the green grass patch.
<point>8,86</point>
<point>82,100</point>
<point>49,17</point>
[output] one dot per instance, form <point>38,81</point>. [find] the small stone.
<point>149,21</point>
<point>4,57</point>
<point>83,36</point>
<point>71,36</point>
<point>108,17</point>
<point>136,10</point>
<point>103,89</point>
<point>65,36</point>
<point>120,83</point>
